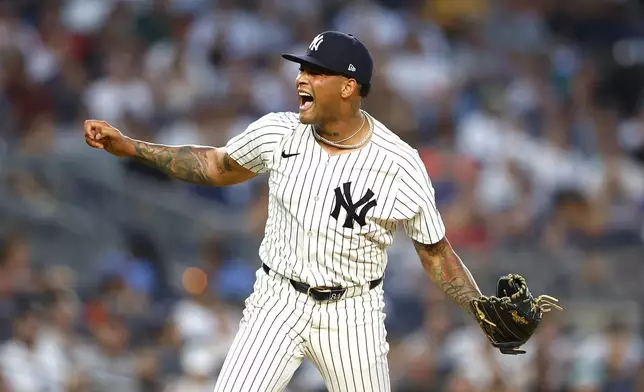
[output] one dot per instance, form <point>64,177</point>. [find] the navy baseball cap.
<point>339,53</point>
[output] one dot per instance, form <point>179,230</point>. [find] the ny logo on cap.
<point>315,44</point>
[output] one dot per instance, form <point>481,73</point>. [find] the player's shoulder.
<point>269,129</point>
<point>283,122</point>
<point>397,149</point>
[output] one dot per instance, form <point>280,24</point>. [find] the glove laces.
<point>545,303</point>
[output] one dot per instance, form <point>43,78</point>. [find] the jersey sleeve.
<point>253,149</point>
<point>415,201</point>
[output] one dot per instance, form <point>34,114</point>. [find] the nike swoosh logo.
<point>285,155</point>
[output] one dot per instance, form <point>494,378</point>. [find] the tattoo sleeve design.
<point>188,163</point>
<point>448,272</point>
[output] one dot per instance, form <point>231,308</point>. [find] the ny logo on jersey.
<point>345,201</point>
<point>315,44</point>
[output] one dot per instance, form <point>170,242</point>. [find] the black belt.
<point>321,293</point>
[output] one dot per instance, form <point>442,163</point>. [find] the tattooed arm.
<point>195,164</point>
<point>448,272</point>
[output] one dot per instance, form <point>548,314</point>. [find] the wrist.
<point>130,150</point>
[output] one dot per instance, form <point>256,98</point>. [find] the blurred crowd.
<point>529,115</point>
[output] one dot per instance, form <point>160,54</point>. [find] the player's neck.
<point>353,123</point>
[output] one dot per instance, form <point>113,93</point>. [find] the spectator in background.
<point>596,280</point>
<point>6,303</point>
<point>631,134</point>
<point>15,261</point>
<point>68,86</point>
<point>29,363</point>
<point>14,264</point>
<point>54,44</point>
<point>155,24</point>
<point>59,340</point>
<point>138,272</point>
<point>475,362</point>
<point>107,363</point>
<point>553,356</point>
<point>26,98</point>
<point>608,361</point>
<point>146,255</point>
<point>199,365</point>
<point>617,211</point>
<point>147,371</point>
<point>419,360</point>
<point>167,351</point>
<point>121,91</point>
<point>230,277</point>
<point>39,136</point>
<point>572,223</point>
<point>202,319</point>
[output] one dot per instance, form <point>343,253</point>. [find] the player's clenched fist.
<point>100,134</point>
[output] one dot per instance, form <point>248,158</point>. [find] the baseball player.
<point>340,183</point>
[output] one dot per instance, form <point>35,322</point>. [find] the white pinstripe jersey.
<point>331,217</point>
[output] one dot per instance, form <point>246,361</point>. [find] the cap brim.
<point>306,60</point>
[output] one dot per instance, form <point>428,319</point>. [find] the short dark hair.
<point>364,90</point>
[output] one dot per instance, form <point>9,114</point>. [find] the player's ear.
<point>349,87</point>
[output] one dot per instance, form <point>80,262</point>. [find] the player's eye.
<point>311,70</point>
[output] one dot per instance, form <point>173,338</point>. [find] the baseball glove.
<point>510,318</point>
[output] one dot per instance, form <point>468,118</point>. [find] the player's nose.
<point>301,79</point>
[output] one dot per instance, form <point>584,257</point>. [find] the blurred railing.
<point>87,202</point>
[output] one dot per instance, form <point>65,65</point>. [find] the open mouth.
<point>306,101</point>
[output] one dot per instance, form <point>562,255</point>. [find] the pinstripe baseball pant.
<point>345,340</point>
